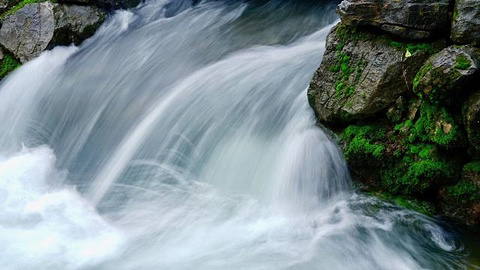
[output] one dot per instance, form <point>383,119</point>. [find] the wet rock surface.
<point>412,19</point>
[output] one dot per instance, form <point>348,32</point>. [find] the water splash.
<point>188,129</point>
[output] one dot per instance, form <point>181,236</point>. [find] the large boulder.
<point>466,22</point>
<point>444,75</point>
<point>75,23</point>
<point>37,27</point>
<point>361,74</point>
<point>471,119</point>
<point>413,19</point>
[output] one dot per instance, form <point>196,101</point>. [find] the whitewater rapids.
<point>180,137</point>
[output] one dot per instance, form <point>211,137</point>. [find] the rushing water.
<point>179,137</point>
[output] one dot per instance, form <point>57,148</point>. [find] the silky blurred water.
<point>180,137</point>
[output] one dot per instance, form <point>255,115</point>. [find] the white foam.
<point>43,224</point>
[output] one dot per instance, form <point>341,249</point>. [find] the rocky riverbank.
<point>399,85</point>
<point>29,27</point>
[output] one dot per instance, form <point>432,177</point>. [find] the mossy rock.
<point>411,19</point>
<point>444,76</point>
<point>433,124</point>
<point>471,118</point>
<point>391,160</point>
<point>363,73</point>
<point>7,64</point>
<point>462,200</point>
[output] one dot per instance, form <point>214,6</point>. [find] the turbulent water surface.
<point>179,137</point>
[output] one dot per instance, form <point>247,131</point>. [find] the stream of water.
<point>180,137</point>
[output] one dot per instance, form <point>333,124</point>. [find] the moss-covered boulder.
<point>466,22</point>
<point>412,19</point>
<point>471,118</point>
<point>462,200</point>
<point>362,73</point>
<point>37,27</point>
<point>444,76</point>
<point>408,158</point>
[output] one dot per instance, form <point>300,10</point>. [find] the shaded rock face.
<point>106,4</point>
<point>471,118</point>
<point>36,27</point>
<point>413,19</point>
<point>462,200</point>
<point>75,23</point>
<point>6,4</point>
<point>444,75</point>
<point>359,76</point>
<point>466,22</point>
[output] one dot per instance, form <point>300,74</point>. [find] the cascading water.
<point>179,137</point>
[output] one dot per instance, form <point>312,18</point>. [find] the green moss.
<point>420,47</point>
<point>420,75</point>
<point>338,89</point>
<point>434,125</point>
<point>397,44</point>
<point>7,65</point>
<point>349,91</point>
<point>464,192</point>
<point>461,62</point>
<point>362,142</point>
<point>472,167</point>
<point>423,207</point>
<point>416,170</point>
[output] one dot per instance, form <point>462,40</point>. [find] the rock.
<point>444,75</point>
<point>471,119</point>
<point>360,75</point>
<point>3,5</point>
<point>413,19</point>
<point>75,23</point>
<point>466,22</point>
<point>29,31</point>
<point>106,4</point>
<point>37,27</point>
<point>462,200</point>
<point>7,4</point>
<point>395,112</point>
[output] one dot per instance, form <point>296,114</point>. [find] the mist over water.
<point>180,137</point>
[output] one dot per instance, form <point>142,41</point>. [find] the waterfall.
<point>180,137</point>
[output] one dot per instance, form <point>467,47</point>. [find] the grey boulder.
<point>466,22</point>
<point>37,27</point>
<point>414,19</point>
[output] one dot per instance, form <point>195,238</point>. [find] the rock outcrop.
<point>36,27</point>
<point>406,113</point>
<point>446,74</point>
<point>413,19</point>
<point>105,4</point>
<point>466,22</point>
<point>362,74</point>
